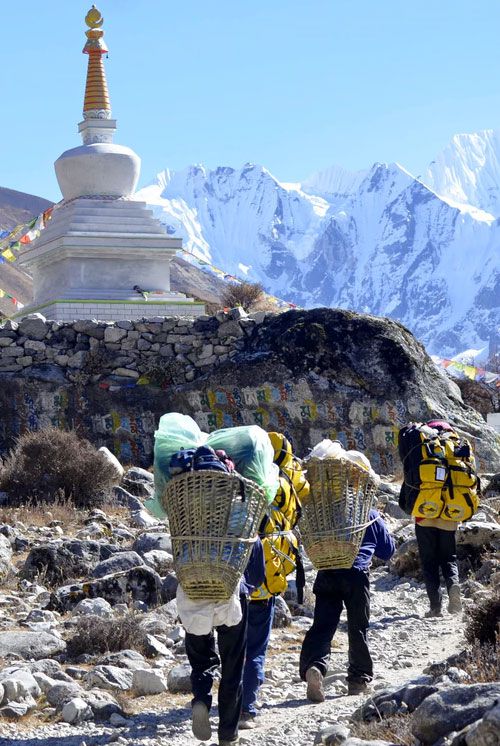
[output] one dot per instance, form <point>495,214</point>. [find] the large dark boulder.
<point>452,709</point>
<point>56,563</point>
<point>138,584</point>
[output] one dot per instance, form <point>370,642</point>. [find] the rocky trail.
<point>114,565</point>
<point>402,641</point>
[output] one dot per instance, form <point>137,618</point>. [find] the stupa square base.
<point>113,310</point>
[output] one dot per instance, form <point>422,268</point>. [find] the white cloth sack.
<point>200,617</point>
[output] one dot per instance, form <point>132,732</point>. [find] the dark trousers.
<point>437,549</point>
<point>333,590</point>
<point>204,661</point>
<point>260,622</point>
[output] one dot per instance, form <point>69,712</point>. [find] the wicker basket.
<point>214,519</point>
<point>335,516</point>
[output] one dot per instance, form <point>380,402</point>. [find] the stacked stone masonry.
<point>315,374</point>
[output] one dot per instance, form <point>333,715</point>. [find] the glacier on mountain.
<point>381,241</point>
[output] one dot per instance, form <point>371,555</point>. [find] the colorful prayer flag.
<point>8,255</point>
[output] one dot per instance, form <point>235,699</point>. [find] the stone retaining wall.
<point>310,374</point>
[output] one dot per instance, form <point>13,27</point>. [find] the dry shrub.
<point>395,729</point>
<point>482,663</point>
<point>245,294</point>
<point>51,465</point>
<point>483,621</point>
<point>94,635</point>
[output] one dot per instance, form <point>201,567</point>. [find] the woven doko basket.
<point>335,516</point>
<point>214,519</point>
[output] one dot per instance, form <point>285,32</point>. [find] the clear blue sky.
<point>296,86</point>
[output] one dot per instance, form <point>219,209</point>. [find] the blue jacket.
<point>255,572</point>
<point>376,541</point>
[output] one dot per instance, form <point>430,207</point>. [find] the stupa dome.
<point>99,169</point>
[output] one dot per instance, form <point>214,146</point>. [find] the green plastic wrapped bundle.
<point>253,455</point>
<point>248,446</point>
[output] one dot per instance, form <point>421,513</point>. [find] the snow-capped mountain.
<point>379,241</point>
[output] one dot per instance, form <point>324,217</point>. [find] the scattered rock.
<point>94,607</point>
<point>103,704</point>
<point>282,614</point>
<point>110,677</point>
<point>333,735</point>
<point>139,583</point>
<point>452,709</point>
<point>120,562</point>
<point>5,557</point>
<point>150,541</point>
<point>179,679</point>
<point>30,644</point>
<point>485,732</point>
<point>58,562</point>
<point>76,710</point>
<point>147,681</point>
<point>124,498</point>
<point>111,458</point>
<point>130,659</point>
<point>63,692</point>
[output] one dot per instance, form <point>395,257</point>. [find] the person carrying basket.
<point>204,661</point>
<point>333,590</point>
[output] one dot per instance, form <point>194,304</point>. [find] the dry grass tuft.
<point>395,729</point>
<point>96,636</point>
<point>35,514</point>
<point>483,622</point>
<point>482,663</point>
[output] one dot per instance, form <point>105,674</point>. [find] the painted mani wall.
<point>309,374</point>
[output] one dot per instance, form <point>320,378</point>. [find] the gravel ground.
<point>402,642</point>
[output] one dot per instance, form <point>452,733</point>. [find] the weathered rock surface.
<point>452,709</point>
<point>5,557</point>
<point>146,681</point>
<point>139,584</point>
<point>57,562</point>
<point>119,562</point>
<point>179,679</point>
<point>30,644</point>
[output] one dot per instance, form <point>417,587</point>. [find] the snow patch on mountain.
<point>380,241</point>
<point>467,171</point>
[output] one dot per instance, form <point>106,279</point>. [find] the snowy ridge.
<point>378,241</point>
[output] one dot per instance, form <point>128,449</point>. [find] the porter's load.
<point>214,513</point>
<point>440,479</point>
<point>335,516</point>
<point>247,446</point>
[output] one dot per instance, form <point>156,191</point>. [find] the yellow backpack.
<point>440,479</point>
<point>281,546</point>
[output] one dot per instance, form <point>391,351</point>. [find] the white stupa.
<point>102,255</point>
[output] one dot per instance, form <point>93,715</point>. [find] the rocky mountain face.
<point>16,208</point>
<point>421,250</point>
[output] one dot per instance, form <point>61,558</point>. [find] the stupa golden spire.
<point>96,104</point>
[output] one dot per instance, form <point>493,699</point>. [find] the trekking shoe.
<point>454,599</point>
<point>232,742</point>
<point>315,691</point>
<point>357,687</point>
<point>247,721</point>
<point>201,722</point>
<point>434,612</point>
